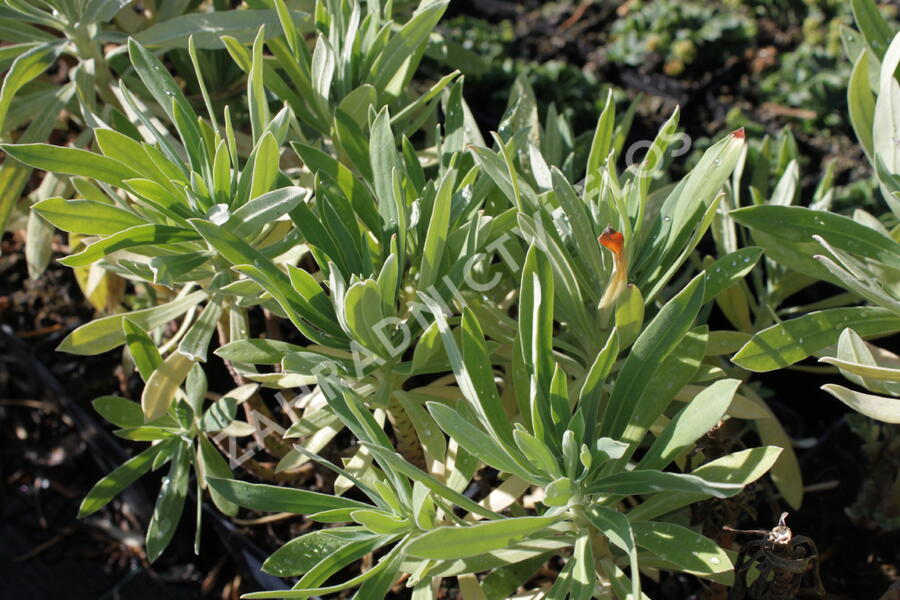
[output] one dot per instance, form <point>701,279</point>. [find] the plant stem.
<point>407,440</point>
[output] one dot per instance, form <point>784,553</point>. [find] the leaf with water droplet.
<point>728,270</point>
<point>169,505</point>
<point>793,340</point>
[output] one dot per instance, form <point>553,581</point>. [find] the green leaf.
<point>739,468</point>
<point>265,159</point>
<point>106,333</point>
<point>583,233</point>
<point>195,387</point>
<point>212,464</point>
<point>600,146</point>
<point>120,478</point>
<point>445,543</point>
<point>133,237</point>
<point>887,128</point>
<point>728,270</point>
<point>322,70</point>
<point>378,521</point>
<point>559,492</point>
<point>360,198</point>
<point>382,574</point>
<point>394,66</point>
<point>249,219</point>
<point>691,202</point>
<point>25,67</point>
<point>438,229</point>
<point>475,440</point>
<point>874,372</point>
<point>872,25</point>
<point>658,339</point>
<point>629,315</point>
<point>864,364</point>
<point>692,422</point>
<point>861,103</point>
<point>536,321</point>
<point>684,548</point>
<point>677,370</point>
<point>472,368</point>
<point>101,11</point>
<point>363,314</point>
<point>13,174</point>
<point>168,94</point>
<point>256,95</point>
<point>796,225</point>
<point>616,526</point>
<point>195,343</point>
<point>537,454</point>
<point>303,553</point>
<point>220,415</point>
<point>785,473</point>
<point>648,481</point>
<point>250,261</point>
<point>257,351</point>
<point>584,575</point>
<point>159,393</point>
<point>71,161</point>
<point>271,498</point>
<point>404,467</point>
<point>207,28</point>
<point>119,411</point>
<point>792,341</point>
<point>880,408</point>
<point>169,505</point>
<point>383,160</point>
<point>113,143</point>
<point>142,349</point>
<point>590,394</point>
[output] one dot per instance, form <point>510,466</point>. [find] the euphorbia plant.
<point>465,305</point>
<point>571,417</point>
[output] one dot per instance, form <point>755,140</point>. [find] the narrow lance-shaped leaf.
<point>741,468</point>
<point>86,217</point>
<point>169,505</point>
<point>446,543</point>
<point>881,408</point>
<point>684,549</point>
<point>143,351</point>
<point>26,67</point>
<point>271,498</point>
<point>660,337</point>
<point>106,333</point>
<point>617,528</point>
<point>71,161</point>
<point>159,393</point>
<point>208,28</point>
<point>119,479</point>
<point>792,341</point>
<point>149,234</point>
<point>692,422</point>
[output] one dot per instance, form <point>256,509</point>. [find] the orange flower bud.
<point>612,240</point>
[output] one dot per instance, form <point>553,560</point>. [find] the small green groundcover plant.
<point>525,364</point>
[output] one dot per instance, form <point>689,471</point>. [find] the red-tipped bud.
<point>738,133</point>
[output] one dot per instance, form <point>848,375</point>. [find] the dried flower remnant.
<point>785,562</point>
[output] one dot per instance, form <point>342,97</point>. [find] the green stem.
<point>405,433</point>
